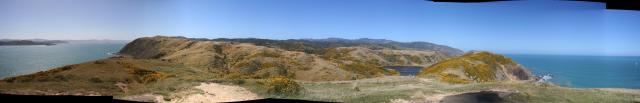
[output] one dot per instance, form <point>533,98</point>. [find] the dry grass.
<point>141,76</point>
<point>384,89</point>
<point>451,78</point>
<point>373,90</point>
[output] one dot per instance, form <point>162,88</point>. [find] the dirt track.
<point>214,93</point>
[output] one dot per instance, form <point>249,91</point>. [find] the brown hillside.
<point>245,60</point>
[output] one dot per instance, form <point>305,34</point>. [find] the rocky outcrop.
<point>247,60</point>
<point>477,66</point>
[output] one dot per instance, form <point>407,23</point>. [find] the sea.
<point>585,71</point>
<point>565,70</point>
<point>20,60</point>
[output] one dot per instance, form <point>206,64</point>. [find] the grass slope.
<point>385,89</point>
<point>472,67</point>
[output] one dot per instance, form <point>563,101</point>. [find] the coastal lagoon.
<point>20,60</point>
<point>405,70</point>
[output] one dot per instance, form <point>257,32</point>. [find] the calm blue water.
<point>585,71</point>
<point>19,60</point>
<point>405,70</point>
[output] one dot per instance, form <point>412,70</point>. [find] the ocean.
<point>20,60</point>
<point>585,71</point>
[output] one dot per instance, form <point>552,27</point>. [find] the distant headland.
<point>7,42</point>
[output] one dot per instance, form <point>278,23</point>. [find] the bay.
<point>20,60</point>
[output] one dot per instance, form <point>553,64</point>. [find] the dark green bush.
<point>95,80</point>
<point>238,81</point>
<point>98,62</point>
<point>68,67</point>
<point>61,78</point>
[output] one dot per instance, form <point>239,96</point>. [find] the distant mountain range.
<point>315,46</point>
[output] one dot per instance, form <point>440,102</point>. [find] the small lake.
<point>405,70</point>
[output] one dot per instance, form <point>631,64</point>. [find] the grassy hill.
<point>246,58</point>
<point>476,67</point>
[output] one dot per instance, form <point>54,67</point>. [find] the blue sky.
<point>521,27</point>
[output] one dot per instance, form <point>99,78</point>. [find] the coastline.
<point>165,69</point>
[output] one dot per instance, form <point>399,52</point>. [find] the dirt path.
<point>490,96</point>
<point>214,93</point>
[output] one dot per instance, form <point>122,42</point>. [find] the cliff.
<point>300,59</point>
<point>477,66</point>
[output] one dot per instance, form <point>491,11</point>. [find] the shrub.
<point>414,59</point>
<point>143,75</point>
<point>482,72</point>
<point>160,55</point>
<point>392,72</point>
<point>366,69</point>
<point>43,79</point>
<point>68,67</point>
<point>280,85</point>
<point>98,62</point>
<point>61,78</point>
<point>147,76</point>
<point>10,80</point>
<point>234,75</point>
<point>267,53</point>
<point>252,67</point>
<point>95,80</point>
<point>238,81</point>
<point>335,53</point>
<point>454,79</point>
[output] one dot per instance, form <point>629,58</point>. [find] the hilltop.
<point>477,66</point>
<point>316,46</point>
<point>315,60</point>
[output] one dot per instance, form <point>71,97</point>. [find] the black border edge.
<point>61,99</point>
